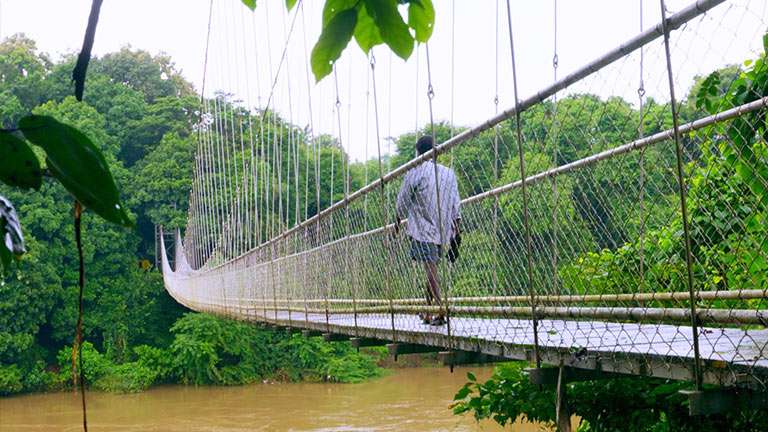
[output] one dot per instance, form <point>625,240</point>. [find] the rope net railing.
<point>616,218</point>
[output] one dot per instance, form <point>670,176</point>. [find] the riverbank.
<point>204,350</point>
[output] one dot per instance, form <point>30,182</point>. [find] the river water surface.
<point>415,399</point>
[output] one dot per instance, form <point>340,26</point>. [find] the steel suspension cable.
<point>335,109</point>
<point>211,169</point>
<point>239,188</point>
<point>190,237</point>
<point>229,150</point>
<point>279,221</point>
<point>521,157</point>
<point>256,160</point>
<point>345,167</point>
<point>555,158</point>
<point>319,233</point>
<point>297,215</point>
<point>222,141</point>
<point>213,212</point>
<point>683,202</point>
<point>385,210</point>
<point>222,175</point>
<point>416,93</point>
<point>202,95</point>
<point>318,228</point>
<point>283,209</point>
<point>430,96</point>
<point>347,187</point>
<point>641,134</point>
<point>495,236</point>
<point>292,143</point>
<point>269,165</point>
<point>291,153</point>
<point>453,66</point>
<point>232,146</point>
<point>389,137</point>
<point>225,190</point>
<point>367,137</point>
<point>236,115</point>
<point>250,177</point>
<point>310,150</point>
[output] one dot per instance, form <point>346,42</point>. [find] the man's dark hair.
<point>424,144</point>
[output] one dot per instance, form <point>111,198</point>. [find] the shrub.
<point>126,378</point>
<point>10,380</point>
<point>636,404</point>
<point>211,350</point>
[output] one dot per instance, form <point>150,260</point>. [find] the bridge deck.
<point>733,356</point>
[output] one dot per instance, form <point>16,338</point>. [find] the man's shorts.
<point>425,251</point>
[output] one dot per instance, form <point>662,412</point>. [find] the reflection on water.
<point>406,400</point>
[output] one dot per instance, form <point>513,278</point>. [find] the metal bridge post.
<point>562,413</point>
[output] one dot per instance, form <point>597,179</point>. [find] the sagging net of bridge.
<point>604,223</point>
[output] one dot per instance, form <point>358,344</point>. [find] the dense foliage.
<point>612,405</point>
<point>141,114</point>
<point>204,350</point>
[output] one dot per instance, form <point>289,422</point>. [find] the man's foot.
<point>425,318</point>
<point>438,321</point>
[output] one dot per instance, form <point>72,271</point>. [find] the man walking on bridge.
<point>424,187</point>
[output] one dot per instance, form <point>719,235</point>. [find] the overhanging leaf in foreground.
<point>18,163</point>
<point>334,38</point>
<point>78,164</point>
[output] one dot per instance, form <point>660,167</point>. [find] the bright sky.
<point>465,92</point>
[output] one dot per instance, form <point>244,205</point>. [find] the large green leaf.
<point>289,4</point>
<point>78,164</point>
<point>391,26</point>
<point>251,4</point>
<point>11,239</point>
<point>334,7</point>
<point>421,18</point>
<point>366,33</point>
<point>18,163</point>
<point>332,41</point>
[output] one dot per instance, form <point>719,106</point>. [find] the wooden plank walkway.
<point>731,356</point>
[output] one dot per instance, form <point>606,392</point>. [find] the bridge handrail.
<point>751,294</point>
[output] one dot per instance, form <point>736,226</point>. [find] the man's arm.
<point>404,197</point>
<point>403,202</point>
<point>455,205</point>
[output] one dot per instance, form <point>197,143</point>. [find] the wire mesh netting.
<point>636,242</point>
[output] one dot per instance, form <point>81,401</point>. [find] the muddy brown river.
<point>415,399</point>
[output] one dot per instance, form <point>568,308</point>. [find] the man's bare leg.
<point>433,285</point>
<point>426,317</point>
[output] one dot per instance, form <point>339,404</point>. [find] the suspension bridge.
<point>603,235</point>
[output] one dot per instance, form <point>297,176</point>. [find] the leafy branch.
<point>371,23</point>
<point>73,159</point>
